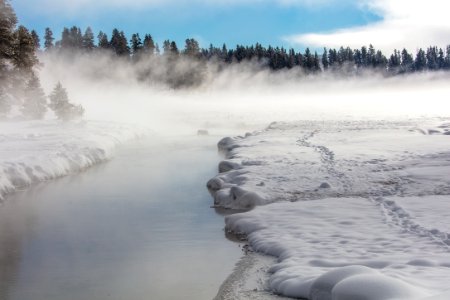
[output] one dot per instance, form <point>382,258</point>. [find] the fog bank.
<point>240,96</point>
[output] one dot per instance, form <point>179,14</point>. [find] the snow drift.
<point>351,209</point>
<point>42,150</point>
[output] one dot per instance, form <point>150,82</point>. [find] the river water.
<point>137,227</point>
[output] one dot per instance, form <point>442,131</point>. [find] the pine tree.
<point>345,55</point>
<point>371,60</point>
<point>174,48</point>
<point>192,48</point>
<point>115,40</point>
<point>407,62</point>
<point>149,46</point>
<point>357,58</point>
<point>308,60</point>
<point>239,55</point>
<point>325,62</point>
<point>224,53</point>
<point>76,38</point>
<point>364,57</point>
<point>8,22</point>
<point>34,102</point>
<point>441,59</point>
<point>119,43</point>
<point>103,40</point>
<point>394,62</point>
<point>332,57</point>
<point>88,40</point>
<point>291,61</point>
<point>136,44</point>
<point>447,58</point>
<point>166,47</point>
<point>63,109</point>
<point>212,51</point>
<point>24,57</point>
<point>48,39</point>
<point>124,48</point>
<point>36,39</point>
<point>432,58</point>
<point>170,48</point>
<point>420,62</point>
<point>65,42</point>
<point>71,39</point>
<point>380,60</point>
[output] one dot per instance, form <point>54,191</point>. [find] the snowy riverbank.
<point>42,150</point>
<point>378,227</point>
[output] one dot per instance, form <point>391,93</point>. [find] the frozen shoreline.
<point>36,151</point>
<point>379,217</point>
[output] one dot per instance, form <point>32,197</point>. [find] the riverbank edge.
<point>250,277</point>
<point>20,174</point>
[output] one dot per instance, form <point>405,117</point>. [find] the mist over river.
<point>137,227</point>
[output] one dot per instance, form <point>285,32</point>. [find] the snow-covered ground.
<point>41,150</point>
<point>350,209</point>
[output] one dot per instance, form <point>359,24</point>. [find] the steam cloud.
<point>241,97</point>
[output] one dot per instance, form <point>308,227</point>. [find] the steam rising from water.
<point>240,96</point>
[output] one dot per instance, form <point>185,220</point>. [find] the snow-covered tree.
<point>34,103</point>
<point>8,21</point>
<point>63,109</point>
<point>24,56</point>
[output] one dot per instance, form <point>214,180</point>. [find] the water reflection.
<point>138,227</point>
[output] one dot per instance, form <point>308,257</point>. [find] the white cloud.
<point>409,24</point>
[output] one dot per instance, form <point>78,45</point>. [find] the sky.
<point>387,24</point>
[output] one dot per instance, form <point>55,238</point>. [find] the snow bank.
<point>351,209</point>
<point>37,151</point>
<point>312,160</point>
<point>328,247</point>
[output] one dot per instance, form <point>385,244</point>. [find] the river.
<point>137,227</point>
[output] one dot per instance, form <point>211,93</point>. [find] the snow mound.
<point>358,283</point>
<point>327,248</point>
<point>42,150</point>
<point>323,286</point>
<point>372,287</point>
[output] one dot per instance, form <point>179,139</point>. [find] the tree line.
<point>20,86</point>
<point>343,59</point>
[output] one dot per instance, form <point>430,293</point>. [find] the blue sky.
<point>247,23</point>
<point>387,24</point>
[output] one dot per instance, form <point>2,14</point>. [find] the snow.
<point>350,209</point>
<point>36,151</point>
<point>427,213</point>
